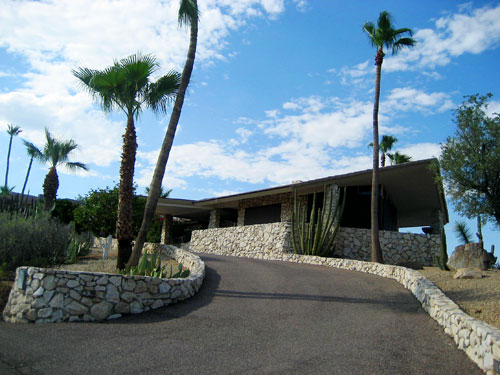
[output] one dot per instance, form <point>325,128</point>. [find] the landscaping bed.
<point>480,298</point>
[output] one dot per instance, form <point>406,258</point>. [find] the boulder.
<point>471,255</point>
<point>468,273</point>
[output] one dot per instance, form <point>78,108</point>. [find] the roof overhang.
<point>411,187</point>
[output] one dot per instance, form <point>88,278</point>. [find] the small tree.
<point>34,153</point>
<point>470,160</point>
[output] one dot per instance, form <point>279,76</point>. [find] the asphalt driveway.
<point>251,317</point>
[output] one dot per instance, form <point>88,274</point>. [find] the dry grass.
<point>480,298</point>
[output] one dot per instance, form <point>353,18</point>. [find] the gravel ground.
<point>479,298</point>
<point>108,265</point>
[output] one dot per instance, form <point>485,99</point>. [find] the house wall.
<point>286,200</point>
<point>351,243</point>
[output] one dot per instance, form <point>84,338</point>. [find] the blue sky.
<point>281,91</point>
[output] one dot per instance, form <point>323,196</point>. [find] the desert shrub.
<point>38,240</point>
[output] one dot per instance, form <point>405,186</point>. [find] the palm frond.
<point>188,12</point>
<point>73,165</point>
<point>462,232</point>
<point>13,130</point>
<point>33,151</point>
<point>163,91</point>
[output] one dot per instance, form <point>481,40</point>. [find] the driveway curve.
<point>251,317</point>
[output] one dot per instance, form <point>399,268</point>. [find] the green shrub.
<point>38,240</point>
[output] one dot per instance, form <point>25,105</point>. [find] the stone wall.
<point>355,243</point>
<point>351,243</point>
<point>46,295</point>
<point>244,240</point>
<point>480,341</point>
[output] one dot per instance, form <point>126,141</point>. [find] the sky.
<point>282,90</point>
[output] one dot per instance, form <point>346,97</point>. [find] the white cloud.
<point>421,151</point>
<point>493,108</point>
<point>244,134</point>
<point>410,99</point>
<point>468,31</point>
<point>55,36</point>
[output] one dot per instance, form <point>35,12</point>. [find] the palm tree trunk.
<point>161,164</point>
<point>26,179</point>
<point>8,160</point>
<point>124,224</point>
<point>382,158</point>
<point>50,186</point>
<point>376,250</point>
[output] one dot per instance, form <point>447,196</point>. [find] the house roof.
<point>411,187</point>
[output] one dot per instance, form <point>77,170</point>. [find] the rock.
<point>122,308</point>
<point>135,308</point>
<point>72,283</point>
<point>76,308</point>
<point>468,273</point>
<point>467,256</point>
<point>112,294</point>
<point>49,283</point>
<point>101,310</point>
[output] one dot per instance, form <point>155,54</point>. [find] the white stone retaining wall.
<point>355,243</point>
<point>479,340</point>
<point>249,240</point>
<point>42,295</point>
<point>351,243</point>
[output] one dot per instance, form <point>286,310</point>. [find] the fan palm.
<point>34,153</point>
<point>56,153</point>
<point>385,146</point>
<point>12,131</point>
<point>384,35</point>
<point>126,85</point>
<point>188,15</point>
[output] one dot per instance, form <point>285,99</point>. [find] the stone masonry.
<point>42,295</point>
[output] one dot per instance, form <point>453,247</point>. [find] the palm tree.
<point>384,35</point>
<point>12,131</point>
<point>56,153</point>
<point>398,158</point>
<point>34,153</point>
<point>385,145</point>
<point>188,15</point>
<point>126,85</point>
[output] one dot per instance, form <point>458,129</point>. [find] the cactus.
<point>316,238</point>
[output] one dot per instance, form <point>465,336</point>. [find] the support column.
<point>241,217</point>
<point>166,230</point>
<point>437,222</point>
<point>214,221</point>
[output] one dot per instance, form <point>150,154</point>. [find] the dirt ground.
<point>480,298</point>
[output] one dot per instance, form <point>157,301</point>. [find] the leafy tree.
<point>470,160</point>
<point>127,85</point>
<point>98,211</point>
<point>56,153</point>
<point>34,153</point>
<point>398,158</point>
<point>12,131</point>
<point>384,35</point>
<point>64,210</point>
<point>188,15</point>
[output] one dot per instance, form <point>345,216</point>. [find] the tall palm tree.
<point>12,131</point>
<point>386,144</point>
<point>188,15</point>
<point>126,86</point>
<point>56,153</point>
<point>398,158</point>
<point>384,35</point>
<point>34,153</point>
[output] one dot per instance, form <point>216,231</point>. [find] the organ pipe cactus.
<point>317,236</point>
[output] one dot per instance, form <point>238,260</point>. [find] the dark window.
<point>263,214</point>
